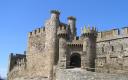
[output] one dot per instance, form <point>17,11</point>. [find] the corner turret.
<point>62,35</point>
<point>55,14</point>
<point>89,48</point>
<point>89,31</point>
<point>51,39</point>
<point>10,62</point>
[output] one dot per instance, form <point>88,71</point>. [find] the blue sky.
<point>18,17</point>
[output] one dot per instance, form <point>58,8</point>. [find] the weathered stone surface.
<point>80,74</point>
<point>54,49</point>
<point>31,78</point>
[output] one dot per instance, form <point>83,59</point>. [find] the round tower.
<point>51,26</point>
<point>62,35</point>
<point>89,48</point>
<point>72,25</point>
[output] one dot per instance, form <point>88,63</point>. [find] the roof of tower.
<point>72,18</point>
<point>55,11</point>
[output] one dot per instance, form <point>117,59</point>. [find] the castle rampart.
<point>57,47</point>
<point>37,31</point>
<point>112,34</point>
<point>17,64</point>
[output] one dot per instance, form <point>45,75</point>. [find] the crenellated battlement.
<point>89,31</point>
<point>62,27</point>
<point>17,60</point>
<point>76,42</point>
<point>71,44</point>
<point>18,66</point>
<point>112,34</point>
<point>62,30</point>
<point>37,31</point>
<point>57,46</point>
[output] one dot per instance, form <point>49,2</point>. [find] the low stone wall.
<point>79,74</point>
<point>76,74</point>
<point>31,78</point>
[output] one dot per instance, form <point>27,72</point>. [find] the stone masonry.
<point>55,51</point>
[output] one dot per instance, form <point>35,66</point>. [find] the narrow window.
<point>112,48</point>
<point>122,47</point>
<point>77,38</point>
<point>102,49</point>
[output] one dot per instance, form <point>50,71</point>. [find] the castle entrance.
<point>75,60</point>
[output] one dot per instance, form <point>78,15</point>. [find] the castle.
<point>56,46</point>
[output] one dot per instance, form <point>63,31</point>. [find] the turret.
<point>55,14</point>
<point>10,65</point>
<point>51,40</point>
<point>62,35</point>
<point>89,48</point>
<point>72,25</point>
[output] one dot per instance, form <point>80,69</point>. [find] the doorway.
<point>75,60</point>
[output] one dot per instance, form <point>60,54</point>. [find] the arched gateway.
<point>75,60</point>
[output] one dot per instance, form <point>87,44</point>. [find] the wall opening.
<point>102,49</point>
<point>75,60</point>
<point>112,48</point>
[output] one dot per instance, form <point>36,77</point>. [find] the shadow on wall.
<point>75,60</point>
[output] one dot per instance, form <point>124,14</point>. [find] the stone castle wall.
<point>108,54</point>
<point>37,63</point>
<point>112,34</point>
<point>81,74</point>
<point>112,48</point>
<point>52,46</point>
<point>17,65</point>
<point>78,74</point>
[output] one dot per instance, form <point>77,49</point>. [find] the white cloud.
<point>3,72</point>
